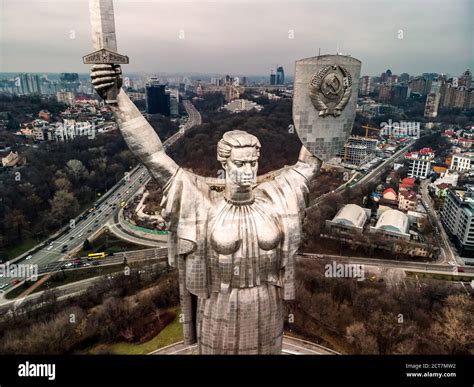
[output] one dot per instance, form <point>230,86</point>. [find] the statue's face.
<point>242,165</point>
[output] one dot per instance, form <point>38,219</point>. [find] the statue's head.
<point>238,152</point>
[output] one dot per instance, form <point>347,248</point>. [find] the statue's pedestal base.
<point>291,346</point>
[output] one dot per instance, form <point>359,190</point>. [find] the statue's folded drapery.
<point>241,264</point>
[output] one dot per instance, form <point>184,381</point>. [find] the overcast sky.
<point>242,37</point>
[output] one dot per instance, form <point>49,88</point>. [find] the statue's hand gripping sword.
<point>104,41</point>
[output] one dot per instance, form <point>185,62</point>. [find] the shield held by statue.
<point>324,102</point>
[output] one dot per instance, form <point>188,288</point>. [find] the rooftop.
<point>351,215</point>
<point>394,221</point>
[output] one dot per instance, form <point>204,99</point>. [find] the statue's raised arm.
<point>139,135</point>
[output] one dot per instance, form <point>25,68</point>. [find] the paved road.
<point>375,174</point>
<point>117,226</point>
<point>194,118</point>
<point>65,291</point>
<point>369,177</point>
<point>427,267</point>
<point>107,208</point>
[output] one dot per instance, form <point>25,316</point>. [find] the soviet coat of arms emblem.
<point>330,90</point>
<point>324,102</point>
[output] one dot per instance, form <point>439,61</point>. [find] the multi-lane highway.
<point>83,227</point>
<point>90,223</point>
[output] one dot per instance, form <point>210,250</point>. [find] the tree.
<point>76,169</point>
<point>453,328</point>
<point>64,206</point>
<point>62,184</point>
<point>16,222</point>
<point>363,341</point>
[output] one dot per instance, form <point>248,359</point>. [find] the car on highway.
<point>90,230</point>
<point>64,248</point>
<point>3,286</point>
<point>460,269</point>
<point>28,257</point>
<point>71,238</point>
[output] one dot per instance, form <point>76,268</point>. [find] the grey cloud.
<point>241,36</point>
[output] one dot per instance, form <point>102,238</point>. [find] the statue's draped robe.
<point>241,264</point>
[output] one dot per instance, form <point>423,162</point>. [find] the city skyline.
<point>240,38</point>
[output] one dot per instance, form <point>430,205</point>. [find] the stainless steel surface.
<point>324,102</point>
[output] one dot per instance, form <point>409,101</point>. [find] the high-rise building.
<point>430,76</point>
<point>466,79</point>
<point>174,103</point>
<point>216,81</point>
<point>29,83</point>
<point>157,99</point>
<point>455,93</point>
<point>461,97</point>
<point>404,77</point>
<point>174,111</point>
<point>458,218</point>
<point>432,100</point>
<point>69,77</point>
<point>386,76</point>
<point>418,85</point>
<point>447,94</point>
<point>280,76</point>
<point>69,82</point>
<point>385,92</point>
<point>272,78</point>
<point>365,85</point>
<point>399,92</point>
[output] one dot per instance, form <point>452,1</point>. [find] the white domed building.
<point>351,217</point>
<point>393,224</point>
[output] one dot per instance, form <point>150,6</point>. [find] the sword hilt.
<point>105,56</point>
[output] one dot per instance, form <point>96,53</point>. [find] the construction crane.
<point>367,128</point>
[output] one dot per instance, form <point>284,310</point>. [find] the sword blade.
<point>103,24</point>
